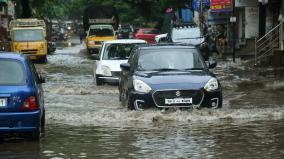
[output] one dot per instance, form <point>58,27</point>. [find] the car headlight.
<point>106,71</point>
<point>141,86</point>
<point>91,43</point>
<point>211,85</point>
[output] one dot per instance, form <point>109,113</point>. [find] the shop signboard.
<point>221,5</point>
<point>246,3</point>
<point>197,3</point>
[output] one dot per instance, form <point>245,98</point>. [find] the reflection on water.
<point>86,121</point>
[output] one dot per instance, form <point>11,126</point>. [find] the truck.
<point>28,36</point>
<point>100,23</point>
<point>98,14</point>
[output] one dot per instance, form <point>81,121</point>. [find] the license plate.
<point>3,102</point>
<point>178,101</point>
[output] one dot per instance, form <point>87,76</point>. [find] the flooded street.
<point>87,121</point>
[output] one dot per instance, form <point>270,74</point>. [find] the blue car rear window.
<point>12,72</point>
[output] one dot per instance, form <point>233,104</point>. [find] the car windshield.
<point>11,73</point>
<point>170,59</point>
<point>188,33</point>
<point>150,31</point>
<point>101,32</point>
<point>28,35</point>
<point>117,51</point>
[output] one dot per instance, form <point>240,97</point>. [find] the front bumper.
<point>147,100</point>
<point>19,122</point>
<point>110,79</point>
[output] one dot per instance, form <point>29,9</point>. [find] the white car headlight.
<point>106,71</point>
<point>211,85</point>
<point>141,86</point>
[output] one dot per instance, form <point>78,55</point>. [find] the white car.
<point>112,54</point>
<point>161,38</point>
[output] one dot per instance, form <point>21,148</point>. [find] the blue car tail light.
<point>30,104</point>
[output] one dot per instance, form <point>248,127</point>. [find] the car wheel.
<point>99,81</point>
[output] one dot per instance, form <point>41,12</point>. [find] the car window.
<point>150,31</point>
<point>34,72</point>
<point>12,73</point>
<point>28,35</point>
<point>117,51</point>
<point>101,32</point>
<point>170,59</point>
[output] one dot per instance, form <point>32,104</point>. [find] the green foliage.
<point>134,11</point>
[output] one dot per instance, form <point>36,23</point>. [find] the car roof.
<point>125,41</point>
<point>10,55</point>
<point>166,46</point>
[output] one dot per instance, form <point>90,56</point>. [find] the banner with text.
<point>221,5</point>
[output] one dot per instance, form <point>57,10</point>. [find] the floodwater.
<point>86,121</point>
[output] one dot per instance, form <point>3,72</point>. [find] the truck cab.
<point>97,34</point>
<point>28,36</point>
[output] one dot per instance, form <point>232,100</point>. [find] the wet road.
<point>86,121</point>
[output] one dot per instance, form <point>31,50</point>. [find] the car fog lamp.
<point>211,85</point>
<point>141,86</point>
<point>106,71</point>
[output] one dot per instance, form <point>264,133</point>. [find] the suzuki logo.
<point>178,93</point>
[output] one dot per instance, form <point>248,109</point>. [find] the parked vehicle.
<point>186,35</point>
<point>21,96</point>
<point>125,32</point>
<point>147,34</point>
<point>96,35</point>
<point>190,35</point>
<point>113,53</point>
<point>168,76</point>
<point>161,38</point>
<point>100,14</point>
<point>28,36</point>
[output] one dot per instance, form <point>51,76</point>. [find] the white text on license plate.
<point>178,101</point>
<point>3,102</point>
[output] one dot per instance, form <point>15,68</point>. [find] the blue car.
<point>168,76</point>
<point>21,97</point>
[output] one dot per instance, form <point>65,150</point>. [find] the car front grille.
<point>115,73</point>
<point>161,95</point>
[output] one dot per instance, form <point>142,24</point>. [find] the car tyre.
<point>99,81</point>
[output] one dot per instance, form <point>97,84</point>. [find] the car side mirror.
<point>41,79</point>
<point>125,66</point>
<point>95,56</point>
<point>211,63</point>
